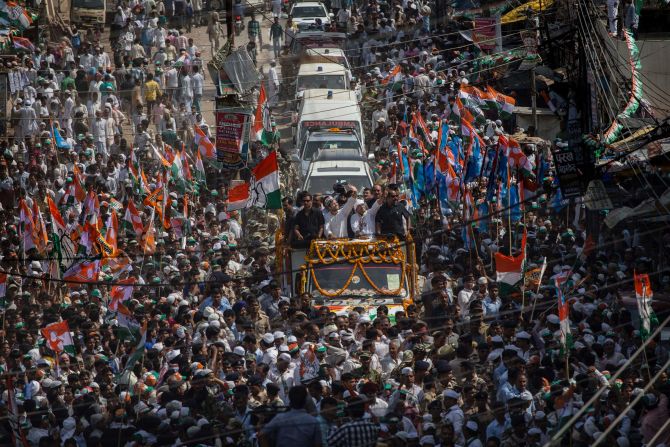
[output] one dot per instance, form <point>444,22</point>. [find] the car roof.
<point>322,68</point>
<point>338,155</point>
<point>307,4</point>
<point>326,51</point>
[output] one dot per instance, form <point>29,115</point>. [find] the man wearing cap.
<point>365,372</point>
<point>454,414</point>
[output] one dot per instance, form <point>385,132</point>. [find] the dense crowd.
<point>184,334</point>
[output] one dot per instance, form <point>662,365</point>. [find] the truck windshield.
<point>88,4</point>
<point>331,278</point>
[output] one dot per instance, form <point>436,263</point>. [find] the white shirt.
<point>198,81</point>
<point>337,225</point>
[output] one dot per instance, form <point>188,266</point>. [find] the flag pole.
<point>644,302</point>
<point>539,284</point>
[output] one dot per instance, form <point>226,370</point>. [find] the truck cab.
<point>346,273</point>
<point>90,13</point>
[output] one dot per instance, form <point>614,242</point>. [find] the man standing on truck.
<point>307,224</point>
<point>389,219</point>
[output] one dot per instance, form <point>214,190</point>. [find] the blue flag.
<point>60,142</point>
<point>515,206</point>
<point>475,160</point>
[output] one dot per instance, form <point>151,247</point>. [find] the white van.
<point>328,76</point>
<point>323,109</point>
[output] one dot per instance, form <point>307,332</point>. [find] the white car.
<point>305,14</point>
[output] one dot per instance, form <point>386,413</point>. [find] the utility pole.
<point>533,98</point>
<point>229,22</point>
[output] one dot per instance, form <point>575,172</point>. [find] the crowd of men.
<point>208,349</point>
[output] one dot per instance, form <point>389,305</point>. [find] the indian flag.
<point>128,326</point>
<point>262,191</point>
<point>136,355</point>
<point>133,219</point>
<point>205,146</point>
<point>58,338</point>
<point>563,309</point>
<point>121,292</point>
<point>82,272</point>
<point>504,103</point>
<point>262,129</point>
<point>509,269</point>
<point>644,294</point>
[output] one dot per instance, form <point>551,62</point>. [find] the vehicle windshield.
<point>313,146</point>
<point>88,4</point>
<point>308,82</point>
<point>331,278</point>
<point>301,12</point>
<point>325,184</point>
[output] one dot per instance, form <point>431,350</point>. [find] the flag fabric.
<point>262,128</point>
<point>262,191</point>
<point>128,326</point>
<point>120,293</point>
<point>112,234</point>
<point>18,436</point>
<point>39,230</point>
<point>504,103</point>
<point>82,272</point>
<point>3,285</point>
<point>200,175</point>
<point>26,226</point>
<point>149,236</point>
<point>133,219</point>
<point>205,146</point>
<point>60,141</point>
<point>57,221</point>
<point>58,338</point>
<point>392,74</point>
<point>137,353</point>
<point>509,269</point>
<point>644,295</point>
<point>22,43</point>
<point>563,309</point>
<point>533,277</point>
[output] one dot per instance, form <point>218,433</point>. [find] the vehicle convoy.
<point>346,273</point>
<point>303,43</point>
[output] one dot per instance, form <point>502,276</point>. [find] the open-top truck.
<point>346,273</point>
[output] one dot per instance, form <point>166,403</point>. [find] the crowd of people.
<point>178,329</point>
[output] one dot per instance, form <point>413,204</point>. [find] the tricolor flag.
<point>200,174</point>
<point>121,292</point>
<point>262,191</point>
<point>392,74</point>
<point>112,235</point>
<point>18,436</point>
<point>137,353</point>
<point>58,338</point>
<point>262,128</point>
<point>563,309</point>
<point>504,103</point>
<point>133,219</point>
<point>516,158</point>
<point>149,236</point>
<point>22,43</point>
<point>82,272</point>
<point>644,294</point>
<point>3,285</point>
<point>128,326</point>
<point>58,223</point>
<point>39,229</point>
<point>26,226</point>
<point>509,269</point>
<point>205,146</point>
